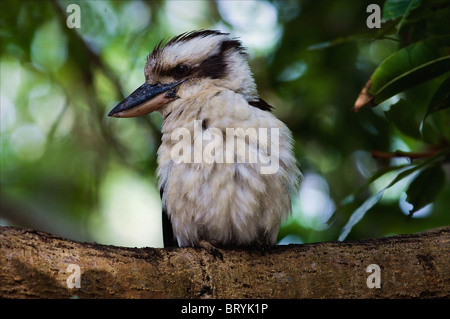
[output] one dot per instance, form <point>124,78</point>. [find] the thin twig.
<point>411,155</point>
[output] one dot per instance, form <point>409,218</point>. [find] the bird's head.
<point>185,66</point>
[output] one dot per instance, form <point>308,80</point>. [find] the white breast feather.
<point>225,203</point>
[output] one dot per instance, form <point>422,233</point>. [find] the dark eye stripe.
<point>213,67</point>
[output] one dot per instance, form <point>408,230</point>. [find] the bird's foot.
<point>265,248</point>
<point>213,250</point>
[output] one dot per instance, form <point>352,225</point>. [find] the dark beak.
<point>146,99</point>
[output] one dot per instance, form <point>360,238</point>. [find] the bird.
<point>201,83</point>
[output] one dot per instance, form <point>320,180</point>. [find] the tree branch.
<point>35,265</point>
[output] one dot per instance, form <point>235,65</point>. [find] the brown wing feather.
<point>261,104</point>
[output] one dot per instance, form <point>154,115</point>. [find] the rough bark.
<point>34,265</point>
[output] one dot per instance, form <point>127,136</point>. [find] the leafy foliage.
<point>424,189</point>
<point>409,66</point>
<point>422,56</point>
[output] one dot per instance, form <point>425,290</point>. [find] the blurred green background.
<point>68,169</point>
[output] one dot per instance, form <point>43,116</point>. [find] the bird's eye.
<point>181,70</point>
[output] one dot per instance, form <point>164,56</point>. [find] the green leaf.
<point>440,99</point>
<point>349,200</point>
<point>359,213</point>
<point>424,189</point>
<point>410,66</point>
<point>411,5</point>
<point>393,9</point>
<point>403,115</point>
<point>438,125</point>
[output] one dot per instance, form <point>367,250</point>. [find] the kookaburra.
<point>226,166</point>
